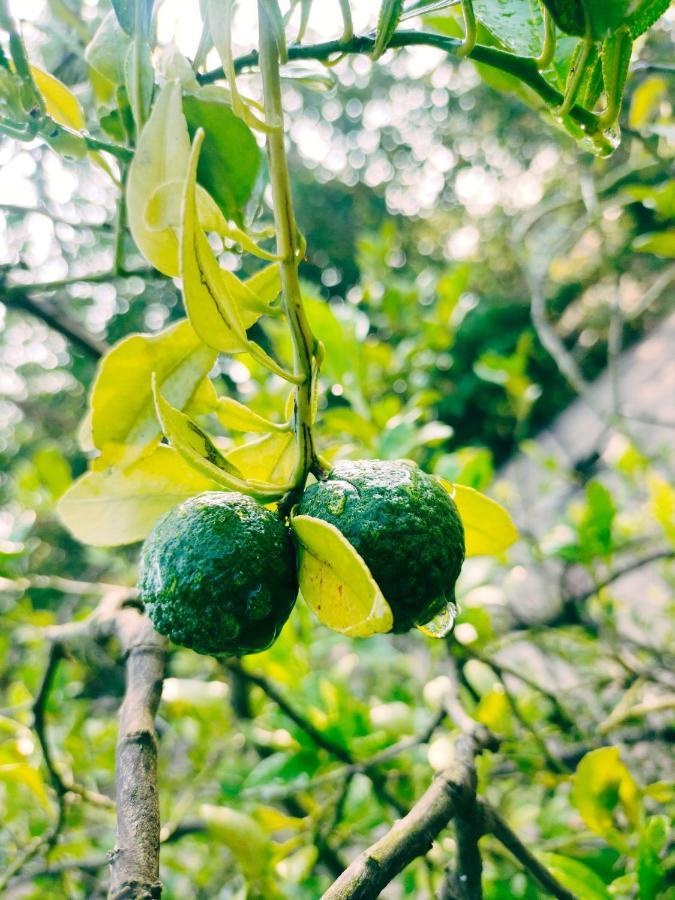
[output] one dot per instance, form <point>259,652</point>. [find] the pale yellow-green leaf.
<point>199,451</point>
<point>193,444</point>
<point>21,773</point>
<point>336,583</point>
<point>488,527</point>
<point>237,417</point>
<point>218,304</point>
<point>164,211</point>
<point>266,284</point>
<point>124,423</point>
<point>204,400</point>
<point>602,786</point>
<point>241,834</point>
<point>161,156</point>
<point>120,506</point>
<point>271,458</point>
<point>60,102</point>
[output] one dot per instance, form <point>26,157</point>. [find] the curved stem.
<point>470,35</point>
<point>545,59</point>
<point>304,343</point>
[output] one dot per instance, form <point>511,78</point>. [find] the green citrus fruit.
<point>405,527</point>
<point>218,574</point>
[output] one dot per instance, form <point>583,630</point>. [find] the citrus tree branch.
<point>414,834</point>
<point>135,859</point>
<point>525,70</point>
<point>288,250</point>
<point>56,319</point>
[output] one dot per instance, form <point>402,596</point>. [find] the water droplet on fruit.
<point>441,624</point>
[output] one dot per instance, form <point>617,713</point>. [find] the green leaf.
<point>646,14</point>
<point>218,304</point>
<point>518,24</point>
<point>237,417</point>
<point>488,527</point>
<point>230,160</point>
<point>335,581</point>
<point>661,243</point>
<point>107,50</point>
<point>390,13</point>
<point>139,79</point>
<point>596,524</point>
<point>602,785</point>
<point>651,872</point>
<point>162,155</point>
<point>578,878</point>
<point>124,424</point>
<point>116,506</point>
<point>125,10</point>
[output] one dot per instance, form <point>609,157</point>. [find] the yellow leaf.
<point>270,458</point>
<point>494,712</point>
<point>20,773</point>
<point>161,156</point>
<point>488,527</point>
<point>335,581</point>
<point>60,102</point>
<point>237,417</point>
<point>602,784</point>
<point>219,305</point>
<point>662,504</point>
<point>120,506</point>
<point>124,423</point>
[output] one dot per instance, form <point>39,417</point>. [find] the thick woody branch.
<point>135,859</point>
<point>414,834</point>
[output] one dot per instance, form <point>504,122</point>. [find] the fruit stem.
<point>288,249</point>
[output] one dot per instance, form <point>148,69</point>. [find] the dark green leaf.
<point>588,18</point>
<point>229,163</point>
<point>518,24</point>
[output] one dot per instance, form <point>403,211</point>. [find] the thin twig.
<point>498,827</point>
<point>330,746</point>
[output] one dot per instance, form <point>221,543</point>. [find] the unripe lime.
<point>218,574</point>
<point>404,525</point>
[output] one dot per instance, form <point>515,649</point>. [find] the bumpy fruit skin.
<point>405,527</point>
<point>218,575</point>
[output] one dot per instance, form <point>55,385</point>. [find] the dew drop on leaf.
<point>441,624</point>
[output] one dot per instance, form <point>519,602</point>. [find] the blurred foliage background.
<point>434,206</point>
